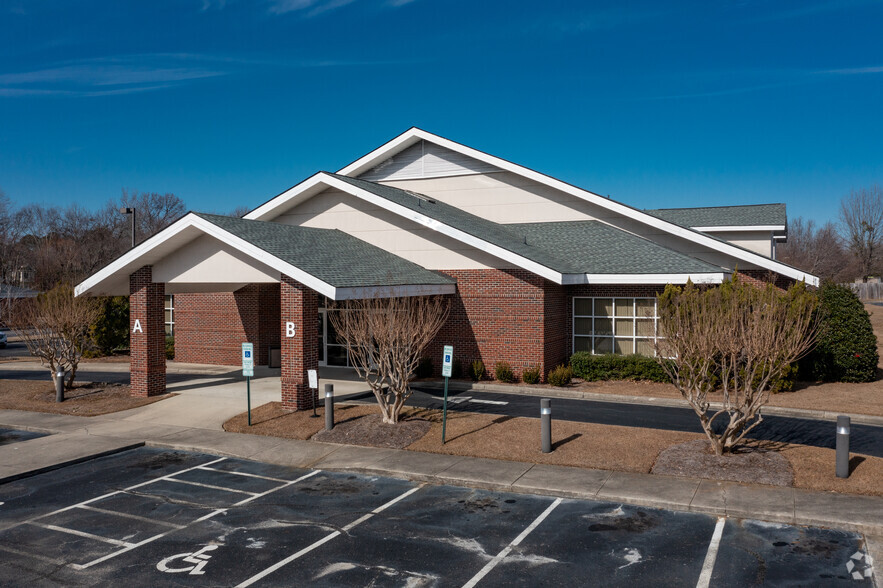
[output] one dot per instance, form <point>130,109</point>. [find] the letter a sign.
<point>137,328</point>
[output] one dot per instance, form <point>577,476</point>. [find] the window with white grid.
<point>623,326</point>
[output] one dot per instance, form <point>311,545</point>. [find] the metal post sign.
<point>447,360</point>
<point>248,360</point>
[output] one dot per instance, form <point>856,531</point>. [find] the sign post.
<point>447,361</point>
<point>313,377</point>
<point>248,372</point>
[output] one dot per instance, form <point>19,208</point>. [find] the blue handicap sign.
<point>447,358</point>
<point>248,354</point>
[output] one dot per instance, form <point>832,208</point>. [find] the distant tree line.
<point>842,252</point>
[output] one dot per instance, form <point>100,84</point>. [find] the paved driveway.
<point>150,517</point>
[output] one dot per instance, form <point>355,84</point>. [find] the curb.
<point>62,464</point>
<point>818,415</point>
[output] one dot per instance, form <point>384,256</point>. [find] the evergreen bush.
<point>531,375</point>
<point>616,367</point>
<point>560,376</point>
<point>476,370</point>
<point>503,372</point>
<point>847,347</point>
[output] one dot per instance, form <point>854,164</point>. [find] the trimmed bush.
<point>560,376</point>
<point>616,367</point>
<point>425,368</point>
<point>476,370</point>
<point>503,372</point>
<point>847,348</point>
<point>170,347</point>
<point>111,331</point>
<point>531,375</point>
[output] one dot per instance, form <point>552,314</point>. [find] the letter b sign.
<point>289,329</point>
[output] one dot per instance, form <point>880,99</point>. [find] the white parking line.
<point>502,555</point>
<point>126,515</point>
<point>480,401</point>
<point>325,539</point>
<point>280,480</point>
<point>201,485</point>
<point>200,519</point>
<point>83,534</point>
<point>50,560</point>
<point>711,556</point>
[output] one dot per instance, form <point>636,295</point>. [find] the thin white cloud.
<point>312,7</point>
<point>852,71</point>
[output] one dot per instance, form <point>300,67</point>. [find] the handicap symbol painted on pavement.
<point>198,558</point>
<point>859,571</point>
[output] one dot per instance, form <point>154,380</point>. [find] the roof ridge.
<point>719,206</point>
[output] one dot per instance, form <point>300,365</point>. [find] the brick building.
<point>534,268</point>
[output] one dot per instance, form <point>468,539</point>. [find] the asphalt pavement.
<point>149,517</point>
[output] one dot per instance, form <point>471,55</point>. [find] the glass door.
<point>323,335</point>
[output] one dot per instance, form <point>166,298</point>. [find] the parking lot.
<point>154,517</point>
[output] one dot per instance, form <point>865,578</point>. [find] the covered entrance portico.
<point>204,254</point>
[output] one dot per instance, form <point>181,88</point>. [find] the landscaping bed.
<point>86,398</point>
<point>586,445</point>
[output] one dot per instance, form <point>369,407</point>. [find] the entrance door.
<point>323,336</point>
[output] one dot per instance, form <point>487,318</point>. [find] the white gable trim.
<point>698,278</point>
<point>738,228</point>
<point>414,134</point>
<point>307,188</point>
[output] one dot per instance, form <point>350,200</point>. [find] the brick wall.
<point>147,343</point>
<point>210,328</point>
<point>762,277</point>
<point>299,305</point>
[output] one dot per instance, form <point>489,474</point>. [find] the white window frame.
<point>169,305</point>
<point>633,337</point>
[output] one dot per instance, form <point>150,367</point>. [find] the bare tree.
<point>737,336</point>
<point>55,328</point>
<point>385,338</point>
<point>861,215</point>
<point>154,211</point>
<point>816,249</point>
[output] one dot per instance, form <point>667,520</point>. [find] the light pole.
<point>131,211</point>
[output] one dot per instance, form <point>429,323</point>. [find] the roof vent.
<point>422,197</point>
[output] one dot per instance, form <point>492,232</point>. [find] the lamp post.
<point>131,211</point>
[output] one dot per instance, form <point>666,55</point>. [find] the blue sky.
<point>657,104</point>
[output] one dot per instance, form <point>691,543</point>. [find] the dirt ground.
<point>584,445</point>
<point>86,399</point>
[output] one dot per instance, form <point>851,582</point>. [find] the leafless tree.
<point>240,211</point>
<point>385,338</point>
<point>861,216</point>
<point>55,328</point>
<point>816,249</point>
<point>739,337</point>
<point>154,211</point>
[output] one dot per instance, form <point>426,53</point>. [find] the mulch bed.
<point>752,465</point>
<point>85,399</point>
<point>371,431</point>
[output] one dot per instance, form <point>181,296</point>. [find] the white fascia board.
<point>381,153</point>
<point>444,229</point>
<point>394,291</point>
<point>133,254</point>
<point>264,210</point>
<point>192,220</point>
<point>739,228</point>
<point>700,278</point>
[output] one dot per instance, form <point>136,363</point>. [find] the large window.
<point>614,325</point>
<point>170,315</point>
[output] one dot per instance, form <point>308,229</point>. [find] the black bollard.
<point>842,446</point>
<point>546,424</point>
<point>329,407</point>
<point>59,386</point>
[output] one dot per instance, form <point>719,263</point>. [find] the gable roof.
<point>331,262</point>
<point>413,135</point>
<point>771,217</point>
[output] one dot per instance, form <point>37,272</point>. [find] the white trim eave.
<point>698,278</point>
<point>413,134</point>
<point>192,220</point>
<point>739,228</point>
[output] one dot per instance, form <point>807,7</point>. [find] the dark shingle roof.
<point>332,256</point>
<point>592,247</point>
<point>722,216</point>
<point>577,247</point>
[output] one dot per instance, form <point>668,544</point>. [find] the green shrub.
<point>531,375</point>
<point>170,347</point>
<point>503,372</point>
<point>111,331</point>
<point>476,370</point>
<point>425,368</point>
<point>847,348</point>
<point>616,367</point>
<point>560,376</point>
<point>456,368</point>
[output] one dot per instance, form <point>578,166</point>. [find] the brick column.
<point>299,305</point>
<point>147,334</point>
